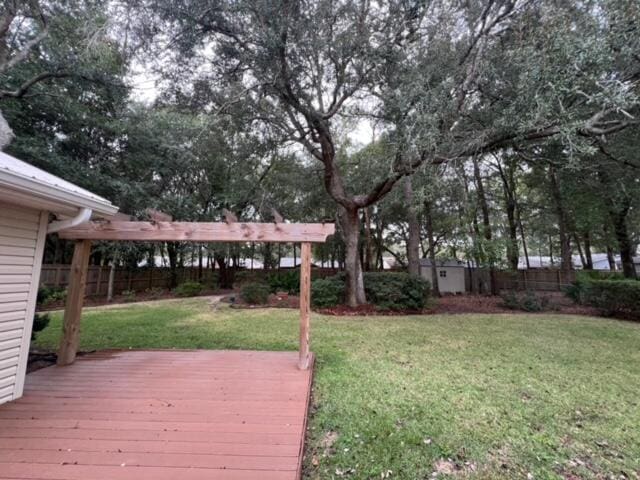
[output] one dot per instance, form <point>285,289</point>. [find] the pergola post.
<point>305,305</point>
<point>73,306</point>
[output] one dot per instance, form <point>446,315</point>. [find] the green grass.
<point>484,396</point>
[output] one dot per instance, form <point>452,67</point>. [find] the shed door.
<point>22,234</point>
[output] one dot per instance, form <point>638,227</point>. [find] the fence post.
<point>56,280</point>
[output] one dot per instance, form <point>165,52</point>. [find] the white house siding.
<point>22,236</point>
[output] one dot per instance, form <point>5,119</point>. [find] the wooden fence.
<point>141,279</point>
<point>538,280</point>
<point>137,280</point>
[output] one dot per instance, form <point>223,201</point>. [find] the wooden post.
<point>73,308</point>
<point>305,305</point>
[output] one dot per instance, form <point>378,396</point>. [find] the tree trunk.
<point>172,253</point>
<point>524,239</point>
<point>566,262</point>
<point>611,259</point>
<point>368,251</point>
<point>625,245</point>
<point>508,187</point>
<point>486,224</point>
<point>583,260</point>
<point>379,243</point>
<point>413,242</point>
<point>350,226</point>
<point>225,273</point>
<point>587,250</point>
<point>112,276</point>
<point>432,248</point>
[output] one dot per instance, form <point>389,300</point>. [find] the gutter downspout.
<point>83,216</point>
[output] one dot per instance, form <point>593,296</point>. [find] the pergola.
<point>167,231</point>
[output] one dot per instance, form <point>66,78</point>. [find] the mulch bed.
<point>364,310</point>
<point>457,304</point>
<point>276,300</point>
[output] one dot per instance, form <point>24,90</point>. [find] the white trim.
<point>84,215</point>
<point>31,306</point>
<point>18,178</point>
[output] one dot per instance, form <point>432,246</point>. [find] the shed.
<point>451,274</point>
<point>29,199</point>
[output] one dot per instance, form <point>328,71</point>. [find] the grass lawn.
<point>471,396</point>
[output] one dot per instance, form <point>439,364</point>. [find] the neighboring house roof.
<point>26,185</point>
<point>326,264</point>
<point>600,261</point>
<point>287,262</point>
<point>425,262</point>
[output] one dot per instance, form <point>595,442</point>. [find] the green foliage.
<point>40,322</point>
<point>255,293</point>
<point>189,289</point>
<point>327,292</point>
<point>396,290</point>
<point>47,295</point>
<point>128,295</point>
<point>527,302</point>
<point>385,290</point>
<point>578,290</point>
<point>614,297</point>
<point>155,292</point>
<point>285,281</point>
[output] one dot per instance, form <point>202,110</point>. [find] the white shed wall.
<point>453,282</point>
<point>22,237</point>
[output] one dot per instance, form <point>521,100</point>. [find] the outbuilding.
<point>451,274</point>
<point>32,204</point>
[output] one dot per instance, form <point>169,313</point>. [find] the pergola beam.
<point>161,231</point>
<point>201,232</point>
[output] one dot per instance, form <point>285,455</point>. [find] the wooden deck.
<point>159,415</point>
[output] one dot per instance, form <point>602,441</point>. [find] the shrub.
<point>40,322</point>
<point>527,302</point>
<point>577,290</point>
<point>255,293</point>
<point>129,295</point>
<point>287,281</point>
<point>47,295</point>
<point>188,289</point>
<point>396,290</point>
<point>155,292</point>
<point>614,297</point>
<point>327,292</point>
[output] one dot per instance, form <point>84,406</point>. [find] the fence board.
<point>141,279</point>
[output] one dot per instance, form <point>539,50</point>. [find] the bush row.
<point>613,297</point>
<point>612,294</point>
<point>385,290</point>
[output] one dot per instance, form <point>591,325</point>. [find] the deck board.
<point>158,415</point>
